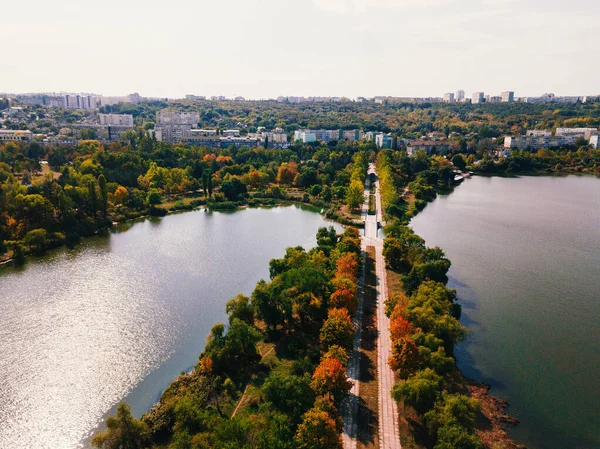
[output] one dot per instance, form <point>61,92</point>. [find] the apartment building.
<point>478,97</point>
<point>536,142</point>
<point>172,126</point>
<point>384,140</point>
<point>428,147</point>
<point>508,97</point>
<point>449,97</point>
<point>15,135</point>
<point>124,120</point>
<point>80,102</point>
<point>586,133</point>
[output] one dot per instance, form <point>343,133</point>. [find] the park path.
<point>389,434</point>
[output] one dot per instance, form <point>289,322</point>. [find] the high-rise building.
<point>134,98</point>
<point>478,97</point>
<point>460,95</point>
<point>508,97</point>
<point>449,97</point>
<point>80,102</point>
<point>172,126</point>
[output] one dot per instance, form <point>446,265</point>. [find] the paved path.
<point>389,434</point>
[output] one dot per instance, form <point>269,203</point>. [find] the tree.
<point>338,329</point>
<point>318,431</point>
<point>330,378</point>
<point>123,431</point>
<point>92,198</point>
<point>452,409</point>
<point>347,265</point>
<point>405,357</point>
<point>419,391</point>
<point>457,437</point>
<point>240,308</point>
<point>459,162</point>
<point>399,328</point>
<point>345,294</point>
<point>287,172</point>
<point>338,353</point>
<point>103,195</point>
<point>290,394</point>
<point>120,194</point>
<point>354,195</point>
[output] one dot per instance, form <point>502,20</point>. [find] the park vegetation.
<point>82,190</point>
<point>303,313</point>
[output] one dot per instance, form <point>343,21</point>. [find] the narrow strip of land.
<point>389,435</point>
<point>349,408</point>
<point>388,430</point>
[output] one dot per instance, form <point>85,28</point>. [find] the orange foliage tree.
<point>330,378</point>
<point>347,265</point>
<point>287,172</point>
<point>345,294</point>
<point>405,357</point>
<point>400,328</point>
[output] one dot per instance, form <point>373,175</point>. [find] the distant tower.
<point>449,97</point>
<point>460,95</point>
<point>478,97</point>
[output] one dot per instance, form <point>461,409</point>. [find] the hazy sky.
<point>266,48</point>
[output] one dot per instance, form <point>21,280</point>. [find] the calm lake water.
<point>526,264</point>
<point>118,318</point>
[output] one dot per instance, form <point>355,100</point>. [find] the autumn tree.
<point>345,294</point>
<point>405,357</point>
<point>120,194</point>
<point>399,328</point>
<point>318,431</point>
<point>330,378</point>
<point>287,172</point>
<point>338,329</point>
<point>347,265</point>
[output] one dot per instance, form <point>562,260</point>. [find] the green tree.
<point>123,431</point>
<point>354,195</point>
<point>289,394</point>
<point>459,162</point>
<point>338,329</point>
<point>419,391</point>
<point>318,431</point>
<point>240,308</point>
<point>103,195</point>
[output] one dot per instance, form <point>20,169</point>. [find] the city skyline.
<point>259,50</point>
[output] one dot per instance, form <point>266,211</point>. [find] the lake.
<point>525,258</point>
<point>119,317</point>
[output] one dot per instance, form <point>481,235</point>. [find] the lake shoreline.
<point>492,407</point>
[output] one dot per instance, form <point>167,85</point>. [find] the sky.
<point>266,48</point>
